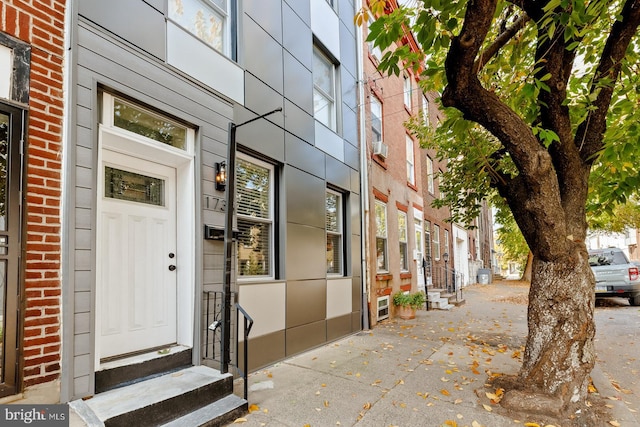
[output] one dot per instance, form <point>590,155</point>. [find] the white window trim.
<point>411,168</point>
<point>404,268</point>
<point>331,97</point>
<point>385,237</point>
<point>435,241</point>
<point>430,180</point>
<point>226,32</point>
<point>271,220</point>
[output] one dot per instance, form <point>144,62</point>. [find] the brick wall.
<point>41,24</point>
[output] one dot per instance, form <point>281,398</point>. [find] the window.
<point>324,90</point>
<point>254,196</point>
<point>383,307</point>
<point>407,92</point>
<point>430,183</point>
<point>411,174</point>
<point>436,242</point>
<point>334,219</point>
<point>382,263</point>
<point>208,20</point>
<point>425,110</point>
<point>376,119</point>
<point>417,225</point>
<point>143,122</point>
<point>373,50</point>
<point>402,238</point>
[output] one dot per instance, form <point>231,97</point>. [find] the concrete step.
<point>158,400</point>
<point>433,295</point>
<point>219,413</point>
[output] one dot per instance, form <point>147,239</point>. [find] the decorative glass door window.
<point>133,187</point>
<point>142,122</point>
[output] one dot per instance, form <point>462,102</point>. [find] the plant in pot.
<point>407,303</point>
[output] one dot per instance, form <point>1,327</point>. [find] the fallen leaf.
<point>240,420</point>
<point>445,392</point>
<point>451,423</point>
<point>366,406</point>
<point>475,424</point>
<point>457,401</point>
<point>489,409</point>
<point>531,425</point>
<point>326,403</point>
<point>253,408</point>
<point>614,423</point>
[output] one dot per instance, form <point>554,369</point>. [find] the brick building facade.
<point>31,118</point>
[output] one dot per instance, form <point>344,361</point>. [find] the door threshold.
<point>142,357</point>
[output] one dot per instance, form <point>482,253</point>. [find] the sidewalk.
<point>429,371</point>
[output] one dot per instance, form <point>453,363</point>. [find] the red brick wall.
<point>41,24</point>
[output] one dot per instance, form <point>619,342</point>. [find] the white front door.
<point>419,254</point>
<point>136,268</point>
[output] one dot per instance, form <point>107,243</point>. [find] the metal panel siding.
<point>268,14</point>
<point>305,197</point>
<point>338,327</point>
<point>297,37</point>
<point>299,122</point>
<point>261,97</point>
<point>133,20</point>
<point>303,156</point>
<point>305,337</point>
<point>263,60</point>
<point>338,173</point>
<point>306,252</point>
<point>306,302</point>
<point>264,350</point>
<point>298,83</point>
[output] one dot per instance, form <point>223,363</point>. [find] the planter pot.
<point>406,312</point>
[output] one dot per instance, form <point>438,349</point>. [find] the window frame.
<point>271,220</point>
<point>425,109</point>
<point>407,92</point>
<point>382,238</point>
<point>430,178</point>
<point>340,225</point>
<point>374,51</point>
<point>375,100</point>
<point>331,98</point>
<point>436,242</point>
<point>403,241</point>
<point>411,160</point>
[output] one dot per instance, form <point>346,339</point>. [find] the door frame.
<point>183,161</point>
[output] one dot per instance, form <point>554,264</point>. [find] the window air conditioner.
<point>380,149</point>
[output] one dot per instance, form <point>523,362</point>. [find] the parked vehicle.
<point>615,275</point>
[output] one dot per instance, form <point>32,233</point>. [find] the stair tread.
<point>140,395</point>
<point>226,409</point>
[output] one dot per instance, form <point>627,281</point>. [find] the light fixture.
<point>445,256</point>
<point>221,176</point>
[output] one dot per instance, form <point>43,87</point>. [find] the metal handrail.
<point>248,324</point>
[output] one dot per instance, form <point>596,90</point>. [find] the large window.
<point>209,20</point>
<point>334,219</point>
<point>324,90</point>
<point>376,119</point>
<point>254,197</point>
<point>382,261</point>
<point>436,241</point>
<point>446,242</point>
<point>430,180</point>
<point>403,243</point>
<point>411,173</point>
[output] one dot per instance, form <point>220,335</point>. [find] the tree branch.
<point>500,42</point>
<point>590,133</point>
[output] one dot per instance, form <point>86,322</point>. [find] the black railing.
<point>214,311</point>
<point>447,279</point>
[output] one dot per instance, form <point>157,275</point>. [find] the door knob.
<point>172,267</point>
<point>171,255</point>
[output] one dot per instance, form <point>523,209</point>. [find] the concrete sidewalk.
<point>429,371</point>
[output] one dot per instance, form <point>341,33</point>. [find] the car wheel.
<point>635,301</point>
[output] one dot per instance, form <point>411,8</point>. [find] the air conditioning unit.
<point>380,149</point>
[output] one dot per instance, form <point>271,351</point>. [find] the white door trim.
<point>125,142</point>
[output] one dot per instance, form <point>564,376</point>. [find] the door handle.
<point>172,267</point>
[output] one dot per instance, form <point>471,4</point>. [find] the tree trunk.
<point>559,354</point>
<point>526,273</point>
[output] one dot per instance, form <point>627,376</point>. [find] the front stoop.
<point>194,396</point>
<point>436,301</point>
